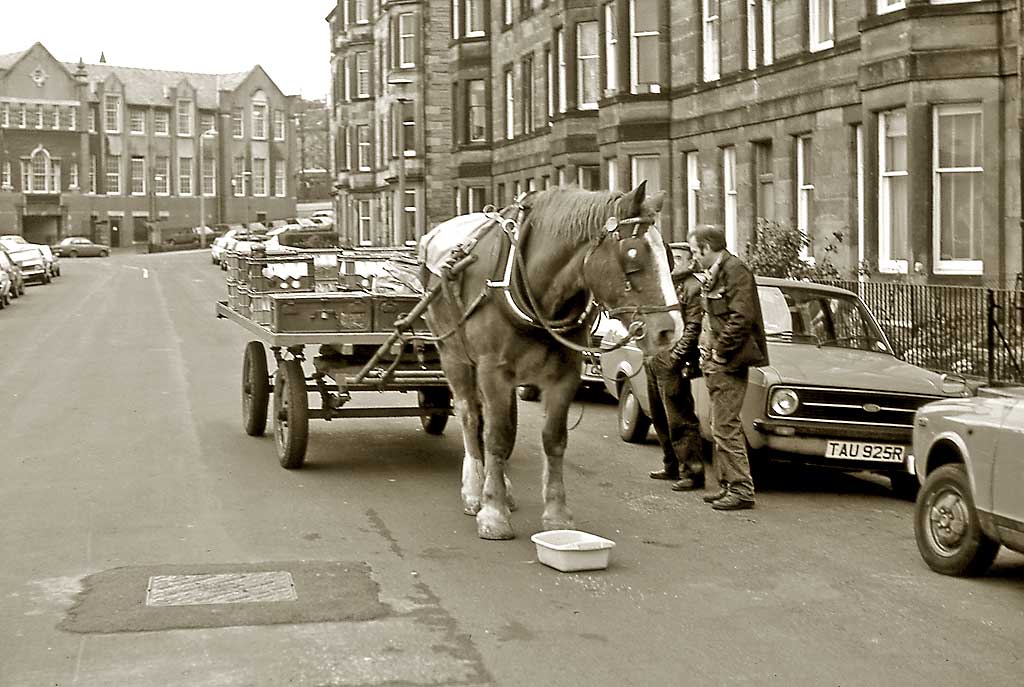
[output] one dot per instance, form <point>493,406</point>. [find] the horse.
<point>560,251</point>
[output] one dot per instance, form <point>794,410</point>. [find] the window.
<point>136,120</point>
<point>364,222</point>
<point>893,181</point>
<point>456,19</point>
<point>364,146</point>
<point>55,117</point>
<point>768,31</point>
<point>237,122</point>
<point>804,187</point>
<point>280,187</point>
<point>5,115</point>
<point>92,173</point>
<point>510,106</point>
<point>137,176</point>
<point>764,178</point>
<point>406,40</point>
<point>858,131</point>
<point>238,176</point>
<point>113,174</point>
<point>206,122</point>
<point>475,198</point>
<point>39,117</point>
<point>527,100</point>
<point>278,125</point>
<point>549,83</point>
<point>711,38</point>
<point>644,65</point>
<point>162,175</point>
<point>587,66</point>
<point>886,6</point>
<point>208,174</point>
<point>259,176</point>
<point>258,114</point>
<point>73,181</point>
<point>958,223</point>
<point>612,172</point>
<point>729,195</point>
<point>5,175</point>
<point>588,178</point>
<point>692,191</point>
<point>111,114</point>
<point>506,13</point>
<point>362,11</point>
<point>73,118</point>
<point>409,213</point>
<point>560,50</point>
<point>40,173</point>
<point>408,128</point>
<point>362,74</point>
<point>752,34</point>
<point>184,117</point>
<point>611,46</point>
<point>161,122</point>
<point>545,182</point>
<point>184,176</point>
<point>821,20</point>
<point>23,117</point>
<point>645,168</point>
<point>475,18</point>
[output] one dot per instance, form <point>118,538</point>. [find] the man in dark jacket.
<point>668,384</point>
<point>732,340</point>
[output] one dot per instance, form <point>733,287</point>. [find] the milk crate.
<point>388,309</point>
<point>280,274</point>
<point>320,312</point>
<point>232,294</point>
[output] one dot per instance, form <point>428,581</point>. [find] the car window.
<point>825,319</point>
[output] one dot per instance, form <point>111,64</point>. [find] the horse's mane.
<point>571,213</point>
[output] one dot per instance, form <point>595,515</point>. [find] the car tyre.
<point>291,414</point>
<point>946,526</point>
<point>104,253</point>
<point>73,254</point>
<point>633,424</point>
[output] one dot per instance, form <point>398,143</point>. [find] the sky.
<point>289,38</point>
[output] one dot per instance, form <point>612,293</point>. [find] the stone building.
<point>887,128</point>
<point>110,152</point>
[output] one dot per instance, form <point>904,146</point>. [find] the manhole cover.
<point>195,590</point>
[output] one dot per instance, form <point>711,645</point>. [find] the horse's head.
<point>627,270</point>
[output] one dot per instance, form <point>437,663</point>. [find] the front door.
<point>115,232</point>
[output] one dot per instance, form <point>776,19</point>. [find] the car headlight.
<point>784,402</point>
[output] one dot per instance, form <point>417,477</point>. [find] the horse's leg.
<point>462,380</point>
<point>555,434</point>
<point>492,522</point>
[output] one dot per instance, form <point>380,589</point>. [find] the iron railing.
<point>973,331</point>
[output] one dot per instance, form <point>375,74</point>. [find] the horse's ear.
<point>633,202</point>
<point>655,202</point>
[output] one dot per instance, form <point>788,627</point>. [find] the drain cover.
<point>195,590</point>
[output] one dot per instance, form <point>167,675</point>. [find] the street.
<point>123,458</point>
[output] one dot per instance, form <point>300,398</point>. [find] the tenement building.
<point>887,129</point>
<point>110,152</point>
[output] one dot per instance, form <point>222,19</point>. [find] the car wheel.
<point>946,526</point>
<point>633,424</point>
<point>47,279</point>
<point>73,254</point>
<point>104,253</point>
<point>528,392</point>
<point>904,486</point>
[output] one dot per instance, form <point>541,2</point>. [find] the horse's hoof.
<point>471,506</point>
<point>491,524</point>
<point>494,533</point>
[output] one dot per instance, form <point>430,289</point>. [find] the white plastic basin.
<point>572,550</point>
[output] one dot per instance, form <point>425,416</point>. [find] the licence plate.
<point>858,450</point>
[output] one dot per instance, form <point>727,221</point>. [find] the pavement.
<point>132,502</point>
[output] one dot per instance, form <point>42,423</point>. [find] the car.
<point>52,261</point>
<point>834,394</point>
<point>13,272</point>
<point>79,246</point>
<point>32,263</point>
<point>327,212</point>
<point>970,457</point>
<point>301,235</point>
<point>6,286</point>
<point>217,247</point>
<point>12,239</point>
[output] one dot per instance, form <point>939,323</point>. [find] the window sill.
<point>963,268</point>
<point>824,45</point>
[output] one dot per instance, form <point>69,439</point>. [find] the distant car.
<point>970,457</point>
<point>12,238</point>
<point>329,214</point>
<point>52,261</point>
<point>13,272</point>
<point>217,247</point>
<point>79,246</point>
<point>32,263</point>
<point>834,394</point>
<point>6,286</point>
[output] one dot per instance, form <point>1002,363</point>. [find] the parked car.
<point>970,457</point>
<point>14,272</point>
<point>219,243</point>
<point>79,246</point>
<point>6,285</point>
<point>834,394</point>
<point>32,263</point>
<point>52,261</point>
<point>12,239</point>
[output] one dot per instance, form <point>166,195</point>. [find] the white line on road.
<point>145,273</point>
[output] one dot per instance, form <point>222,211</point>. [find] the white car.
<point>218,246</point>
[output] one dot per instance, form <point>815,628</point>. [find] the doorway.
<point>115,231</point>
<point>43,229</point>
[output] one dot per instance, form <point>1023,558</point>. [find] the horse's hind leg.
<point>555,438</point>
<point>492,522</point>
<point>462,380</point>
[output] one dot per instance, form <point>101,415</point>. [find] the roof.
<point>8,60</point>
<point>810,285</point>
<point>150,86</point>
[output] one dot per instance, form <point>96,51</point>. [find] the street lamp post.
<point>202,191</point>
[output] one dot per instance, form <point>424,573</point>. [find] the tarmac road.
<point>125,466</point>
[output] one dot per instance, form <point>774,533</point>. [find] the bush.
<point>776,252</point>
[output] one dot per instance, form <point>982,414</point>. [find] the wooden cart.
<point>346,362</point>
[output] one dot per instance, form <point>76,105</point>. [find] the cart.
<point>346,363</point>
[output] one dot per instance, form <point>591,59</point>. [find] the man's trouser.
<point>674,419</point>
<point>731,464</point>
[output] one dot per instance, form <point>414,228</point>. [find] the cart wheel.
<point>255,389</point>
<point>291,414</point>
<point>434,423</point>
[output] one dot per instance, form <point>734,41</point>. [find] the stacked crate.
<point>273,274</point>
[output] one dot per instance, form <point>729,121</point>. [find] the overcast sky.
<point>288,38</point>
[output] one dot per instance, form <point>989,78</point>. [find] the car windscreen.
<point>822,318</point>
<point>26,254</point>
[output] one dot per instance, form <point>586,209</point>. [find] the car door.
<point>1008,473</point>
<point>87,248</point>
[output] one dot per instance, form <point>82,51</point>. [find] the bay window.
<point>644,65</point>
<point>958,231</point>
<point>587,66</point>
<point>893,182</point>
<point>821,15</point>
<point>710,17</point>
